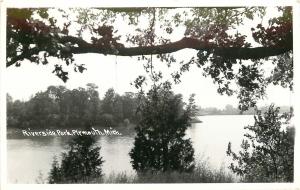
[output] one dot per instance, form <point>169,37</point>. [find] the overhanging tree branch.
<point>184,43</point>
<point>24,55</point>
<point>80,46</point>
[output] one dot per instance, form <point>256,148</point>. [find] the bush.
<point>268,153</point>
<point>81,164</point>
<point>159,144</point>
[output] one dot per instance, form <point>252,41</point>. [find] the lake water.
<point>27,158</point>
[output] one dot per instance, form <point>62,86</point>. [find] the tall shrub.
<point>267,154</point>
<point>160,145</point>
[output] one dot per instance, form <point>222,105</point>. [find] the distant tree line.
<point>65,108</point>
<point>230,110</point>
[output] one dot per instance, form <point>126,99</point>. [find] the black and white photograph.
<point>149,95</point>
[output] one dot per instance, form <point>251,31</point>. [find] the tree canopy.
<point>222,50</point>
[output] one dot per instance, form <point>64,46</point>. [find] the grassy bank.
<point>203,173</point>
<point>197,176</point>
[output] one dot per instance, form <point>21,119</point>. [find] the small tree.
<point>81,164</point>
<point>159,144</point>
<point>55,173</point>
<point>268,154</point>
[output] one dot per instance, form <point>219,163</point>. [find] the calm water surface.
<point>27,158</point>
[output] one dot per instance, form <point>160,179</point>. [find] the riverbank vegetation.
<point>267,153</point>
<point>162,154</point>
<point>202,173</point>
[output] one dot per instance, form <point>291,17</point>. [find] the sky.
<point>118,72</point>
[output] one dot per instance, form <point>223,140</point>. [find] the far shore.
<point>124,129</point>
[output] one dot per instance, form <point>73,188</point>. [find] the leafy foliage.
<point>81,164</point>
<point>37,34</point>
<point>283,71</point>
<point>159,145</point>
<point>268,154</point>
